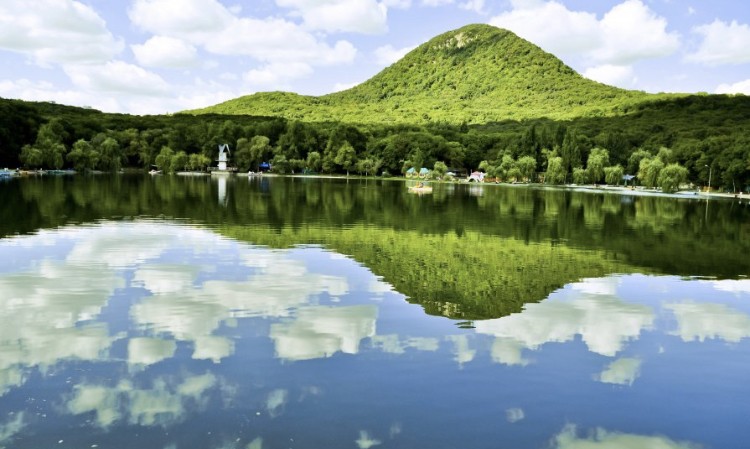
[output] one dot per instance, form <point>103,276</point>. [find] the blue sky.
<point>158,56</point>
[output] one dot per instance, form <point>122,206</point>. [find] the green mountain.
<point>476,74</point>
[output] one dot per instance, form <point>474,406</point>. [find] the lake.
<point>174,312</point>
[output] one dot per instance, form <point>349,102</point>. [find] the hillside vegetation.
<point>476,74</point>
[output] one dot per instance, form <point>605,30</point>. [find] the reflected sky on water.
<point>161,335</point>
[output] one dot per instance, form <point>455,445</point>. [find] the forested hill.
<point>476,74</point>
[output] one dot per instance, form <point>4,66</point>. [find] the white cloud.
<point>208,24</point>
<point>387,55</point>
<point>358,16</point>
<point>473,5</point>
<point>623,371</point>
<point>734,285</point>
<point>553,27</point>
<point>398,4</point>
<point>437,2</point>
<point>702,321</point>
<point>117,77</point>
<point>629,32</point>
<point>614,75</point>
<point>162,51</point>
<point>603,439</point>
<point>723,43</point>
<point>25,89</point>
<point>277,74</point>
<point>56,31</point>
<point>176,17</point>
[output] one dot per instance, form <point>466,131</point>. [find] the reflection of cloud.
<point>514,415</point>
<point>393,344</point>
<point>148,351</point>
<point>604,322</point>
<point>703,321</point>
<point>603,439</point>
<point>193,313</point>
<point>276,401</point>
<point>160,279</point>
<point>731,285</point>
<point>213,347</point>
<point>463,353</point>
<point>365,441</point>
<point>11,427</point>
<point>10,377</point>
<point>508,352</point>
<point>163,404</point>
<point>623,371</point>
<point>322,331</point>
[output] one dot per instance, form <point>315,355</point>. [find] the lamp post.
<point>709,178</point>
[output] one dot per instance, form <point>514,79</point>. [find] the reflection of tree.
<point>665,234</point>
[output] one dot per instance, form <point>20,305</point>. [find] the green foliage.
<point>475,74</point>
<point>671,176</point>
<point>648,171</point>
<point>579,175</point>
<point>555,172</point>
<point>198,162</point>
<point>613,174</point>
<point>527,167</point>
<point>440,169</point>
<point>598,159</point>
<point>83,156</point>
<point>179,161</point>
<point>346,157</point>
<point>164,159</point>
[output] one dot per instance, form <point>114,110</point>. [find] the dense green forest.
<point>476,74</point>
<point>477,97</point>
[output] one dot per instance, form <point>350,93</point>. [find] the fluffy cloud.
<point>359,16</point>
<point>387,55</point>
<point>723,43</point>
<point>278,73</point>
<point>117,77</point>
<point>614,75</point>
<point>174,17</point>
<point>161,51</point>
<point>627,33</point>
<point>56,31</point>
<point>207,23</point>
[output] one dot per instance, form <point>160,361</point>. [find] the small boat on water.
<point>154,172</point>
<point>420,188</point>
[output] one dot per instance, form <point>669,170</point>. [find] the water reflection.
<point>190,339</point>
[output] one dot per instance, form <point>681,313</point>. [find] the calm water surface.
<point>176,313</point>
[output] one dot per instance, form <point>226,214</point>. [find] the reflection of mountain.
<point>458,255</point>
<point>470,276</point>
